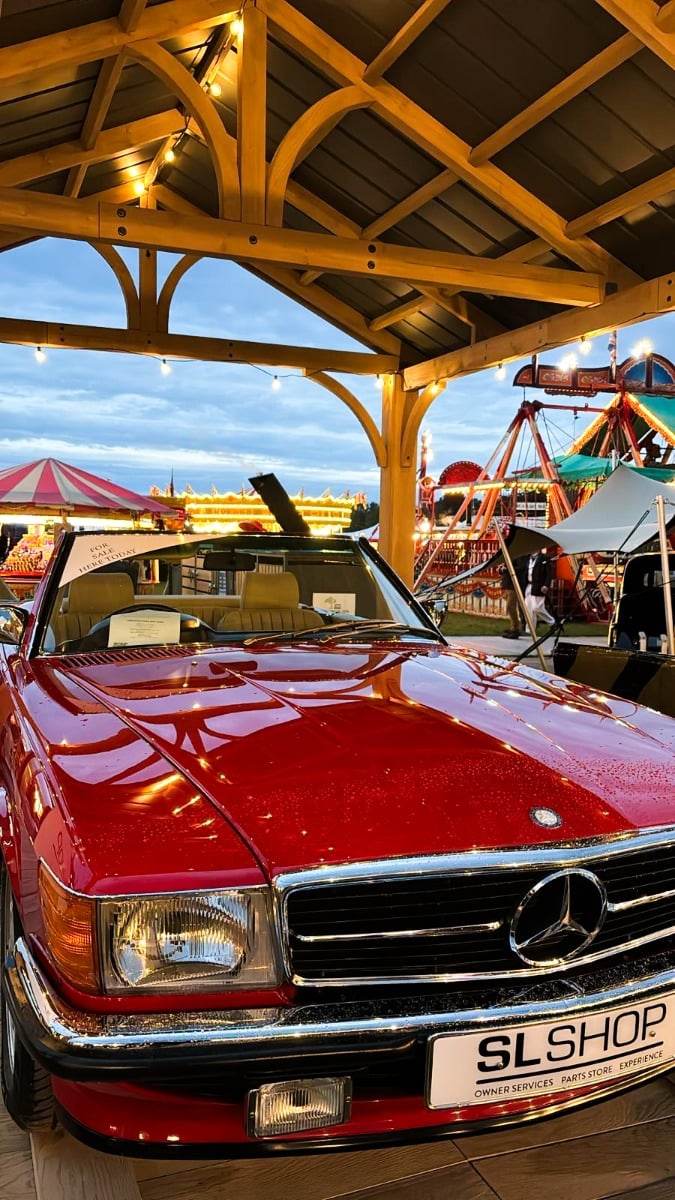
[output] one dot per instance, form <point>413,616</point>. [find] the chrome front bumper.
<point>86,1045</point>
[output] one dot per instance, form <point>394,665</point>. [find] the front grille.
<point>395,924</point>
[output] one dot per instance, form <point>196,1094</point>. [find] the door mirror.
<point>13,621</point>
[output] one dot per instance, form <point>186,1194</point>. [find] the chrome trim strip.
<point>267,1031</point>
<point>555,854</point>
<point>624,905</point>
<point>471,862</point>
<point>451,931</point>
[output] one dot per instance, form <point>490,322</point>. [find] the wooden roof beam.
<point>130,14</point>
<point>103,39</point>
<point>179,345</point>
<point>401,41</point>
<point>325,305</point>
<point>60,216</point>
<point>654,27</point>
<point>639,303</point>
<point>111,142</point>
<point>252,114</point>
<point>435,139</point>
<point>410,204</point>
<point>569,87</point>
<point>101,98</point>
<point>644,193</point>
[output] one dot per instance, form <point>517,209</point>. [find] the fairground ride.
<point>636,425</point>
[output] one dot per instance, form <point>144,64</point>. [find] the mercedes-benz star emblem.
<point>558,918</point>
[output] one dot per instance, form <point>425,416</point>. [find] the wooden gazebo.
<point>455,183</point>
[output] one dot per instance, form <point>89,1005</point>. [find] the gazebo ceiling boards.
<point>453,183</point>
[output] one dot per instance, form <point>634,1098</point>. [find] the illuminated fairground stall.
<point>226,512</point>
<point>458,511</point>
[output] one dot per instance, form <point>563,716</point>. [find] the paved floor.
<point>511,647</point>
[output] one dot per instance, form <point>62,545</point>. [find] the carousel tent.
<point>50,487</point>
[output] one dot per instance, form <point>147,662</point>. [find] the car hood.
<point>335,754</point>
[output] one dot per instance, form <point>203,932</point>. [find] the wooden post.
<point>398,481</point>
<point>665,571</point>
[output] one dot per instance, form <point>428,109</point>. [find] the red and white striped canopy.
<point>48,484</point>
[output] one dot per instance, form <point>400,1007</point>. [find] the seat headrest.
<point>279,590</point>
<point>102,593</point>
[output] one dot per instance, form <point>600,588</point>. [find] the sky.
<point>212,424</point>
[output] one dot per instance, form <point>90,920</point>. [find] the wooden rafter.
<point>252,114</point>
<point>307,132</point>
<point>60,216</point>
<point>110,143</point>
<point>329,56</point>
<point>178,345</point>
<point>130,14</point>
<point>401,41</point>
<point>104,90</point>
<point>410,204</point>
<point>101,39</point>
<point>569,87</point>
<point>654,27</point>
<point>316,298</point>
<point>638,303</point>
<point>629,201</point>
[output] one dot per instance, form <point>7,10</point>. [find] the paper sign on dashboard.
<point>335,602</point>
<point>145,627</point>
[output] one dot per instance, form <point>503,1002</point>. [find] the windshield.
<point>115,590</point>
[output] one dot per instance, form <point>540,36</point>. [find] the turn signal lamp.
<point>70,926</point>
<point>298,1105</point>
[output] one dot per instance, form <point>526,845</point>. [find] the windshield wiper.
<point>344,629</point>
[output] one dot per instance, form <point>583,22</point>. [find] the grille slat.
<point>464,897</point>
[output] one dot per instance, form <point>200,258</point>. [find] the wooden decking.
<point>622,1148</point>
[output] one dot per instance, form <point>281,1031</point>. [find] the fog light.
<point>297,1105</point>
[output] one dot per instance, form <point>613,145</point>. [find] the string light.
<point>501,372</point>
<point>237,27</point>
<point>40,355</point>
<point>170,156</point>
<point>434,388</point>
<point>585,345</point>
<point>214,89</point>
<point>164,367</point>
<point>643,349</point>
<point>139,187</point>
<point>276,384</point>
<point>377,382</point>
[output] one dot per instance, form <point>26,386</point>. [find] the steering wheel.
<point>192,629</point>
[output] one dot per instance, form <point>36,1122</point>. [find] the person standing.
<point>513,611</point>
<point>538,583</point>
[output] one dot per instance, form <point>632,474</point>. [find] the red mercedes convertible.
<point>282,869</point>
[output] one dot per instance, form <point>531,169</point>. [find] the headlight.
<point>191,941</point>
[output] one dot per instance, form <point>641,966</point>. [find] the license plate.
<point>519,1062</point>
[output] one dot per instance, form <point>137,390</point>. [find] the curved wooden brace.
<point>170,284</point>
<point>309,129</point>
<point>221,146</point>
<point>125,279</point>
<point>362,415</point>
<point>415,417</point>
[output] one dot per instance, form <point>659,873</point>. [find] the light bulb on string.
<point>170,155</point>
<point>40,355</point>
<point>377,382</point>
<point>139,187</point>
<point>165,367</point>
<point>237,27</point>
<point>643,349</point>
<point>500,373</point>
<point>276,384</point>
<point>214,89</point>
<point>585,345</point>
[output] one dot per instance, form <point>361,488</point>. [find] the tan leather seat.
<point>270,602</point>
<point>90,598</point>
